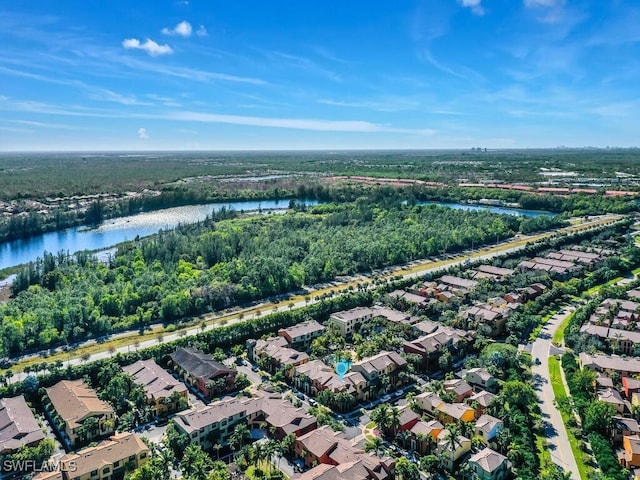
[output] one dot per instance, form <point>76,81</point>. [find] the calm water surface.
<point>118,230</point>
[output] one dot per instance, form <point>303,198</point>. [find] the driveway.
<point>555,431</point>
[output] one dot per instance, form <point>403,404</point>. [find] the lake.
<point>505,211</point>
<point>119,230</point>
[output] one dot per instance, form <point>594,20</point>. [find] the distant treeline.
<point>217,264</point>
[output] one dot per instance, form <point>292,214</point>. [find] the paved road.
<point>215,320</point>
<point>555,430</point>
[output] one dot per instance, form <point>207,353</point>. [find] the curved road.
<point>555,431</point>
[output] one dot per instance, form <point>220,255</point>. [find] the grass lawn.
<point>559,392</point>
<point>559,335</point>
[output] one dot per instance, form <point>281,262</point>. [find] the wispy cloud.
<point>110,96</point>
<point>296,123</point>
<point>303,63</point>
<point>42,124</point>
<point>182,29</point>
<point>474,5</point>
<point>152,48</point>
<point>387,104</point>
<point>142,134</point>
<point>206,117</point>
<point>543,3</point>
<point>202,32</point>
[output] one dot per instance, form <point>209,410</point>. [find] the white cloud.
<point>149,46</point>
<point>296,123</point>
<point>182,29</point>
<point>142,133</point>
<point>543,3</point>
<point>202,32</point>
<point>475,6</point>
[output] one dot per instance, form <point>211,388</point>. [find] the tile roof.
<point>155,380</point>
<point>119,448</point>
<point>198,364</point>
<point>301,329</point>
<point>74,400</point>
<point>489,460</point>
<point>18,425</point>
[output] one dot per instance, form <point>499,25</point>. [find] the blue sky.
<point>205,74</point>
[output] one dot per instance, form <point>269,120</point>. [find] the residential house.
<point>630,386</point>
<point>455,412</point>
<point>323,446</point>
<point>18,425</point>
<point>630,455</point>
<point>613,397</point>
<point>459,388</point>
<point>487,428</point>
<point>610,363</point>
<point>215,423</point>
<point>301,335</point>
<point>492,273</point>
<point>481,378</point>
<point>488,464</point>
<point>315,376</point>
<point>480,401</point>
<point>623,427</point>
<point>202,372</point>
<point>434,344</point>
<point>159,386</point>
<point>452,451</point>
<point>419,435</point>
<point>408,418</point>
<point>108,460</point>
<point>349,321</point>
<point>77,412</point>
<point>374,369</point>
<point>428,402</point>
<point>410,298</point>
<point>276,354</point>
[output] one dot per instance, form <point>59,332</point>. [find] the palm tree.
<point>239,436</point>
<point>374,445</point>
<point>394,420</point>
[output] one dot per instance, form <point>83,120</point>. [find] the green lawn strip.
<point>544,454</point>
<point>559,392</point>
<point>559,335</point>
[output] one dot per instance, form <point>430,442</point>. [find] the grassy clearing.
<point>560,393</point>
<point>559,335</point>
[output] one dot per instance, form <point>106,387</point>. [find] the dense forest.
<point>228,261</point>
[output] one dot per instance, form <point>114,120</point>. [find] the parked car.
<point>255,368</point>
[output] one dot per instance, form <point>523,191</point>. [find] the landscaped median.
<point>564,406</point>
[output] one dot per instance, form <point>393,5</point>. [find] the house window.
<point>106,471</point>
<point>143,455</point>
<point>132,458</point>
<point>116,464</point>
<point>94,473</point>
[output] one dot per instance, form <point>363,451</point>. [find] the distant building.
<point>348,321</point>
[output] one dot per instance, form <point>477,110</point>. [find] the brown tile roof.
<point>301,329</point>
<point>610,362</point>
<point>198,364</point>
<point>380,362</point>
<point>18,425</point>
<point>119,448</point>
<point>74,400</point>
<point>155,380</point>
<point>199,417</point>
